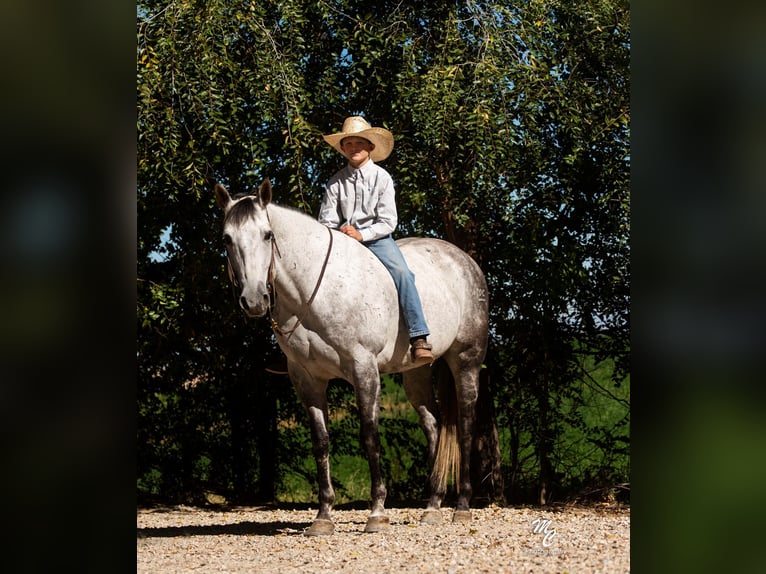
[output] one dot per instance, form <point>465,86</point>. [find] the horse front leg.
<point>320,447</point>
<point>367,389</point>
<point>313,396</point>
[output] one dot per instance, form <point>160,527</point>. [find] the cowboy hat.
<point>358,126</point>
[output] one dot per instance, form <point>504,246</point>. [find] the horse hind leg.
<point>420,394</point>
<point>446,463</point>
<point>458,391</point>
<point>467,391</point>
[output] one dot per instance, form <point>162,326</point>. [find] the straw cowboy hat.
<point>358,126</point>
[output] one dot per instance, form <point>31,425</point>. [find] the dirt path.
<point>181,540</point>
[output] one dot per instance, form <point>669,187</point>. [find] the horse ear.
<point>264,193</point>
<point>222,197</point>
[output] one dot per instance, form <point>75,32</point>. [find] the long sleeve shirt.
<point>363,198</point>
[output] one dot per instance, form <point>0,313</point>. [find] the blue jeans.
<point>389,254</point>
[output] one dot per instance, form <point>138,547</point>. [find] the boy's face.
<point>357,150</point>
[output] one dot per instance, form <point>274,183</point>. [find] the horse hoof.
<point>431,516</point>
<point>377,524</point>
<point>461,516</point>
<point>320,527</point>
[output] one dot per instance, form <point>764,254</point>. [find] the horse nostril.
<point>243,303</point>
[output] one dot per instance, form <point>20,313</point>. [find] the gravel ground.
<point>179,540</point>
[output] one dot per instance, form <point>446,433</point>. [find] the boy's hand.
<point>351,231</point>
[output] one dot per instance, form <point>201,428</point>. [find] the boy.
<point>359,201</point>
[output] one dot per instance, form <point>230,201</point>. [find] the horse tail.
<point>447,461</point>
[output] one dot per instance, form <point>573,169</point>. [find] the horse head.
<point>248,238</point>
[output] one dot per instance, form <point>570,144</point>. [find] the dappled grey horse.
<point>335,314</point>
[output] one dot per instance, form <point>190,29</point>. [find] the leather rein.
<point>273,290</point>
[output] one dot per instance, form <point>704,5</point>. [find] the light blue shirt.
<point>362,197</point>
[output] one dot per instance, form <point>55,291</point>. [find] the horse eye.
<point>268,236</point>
<point>227,239</point>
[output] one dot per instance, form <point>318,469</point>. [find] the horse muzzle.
<point>255,301</point>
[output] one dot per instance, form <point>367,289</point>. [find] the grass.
<point>401,438</point>
<point>586,457</point>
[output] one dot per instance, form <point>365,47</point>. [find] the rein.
<point>273,289</point>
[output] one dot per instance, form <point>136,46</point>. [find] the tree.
<point>512,127</point>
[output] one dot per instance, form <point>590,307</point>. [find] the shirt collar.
<point>364,170</point>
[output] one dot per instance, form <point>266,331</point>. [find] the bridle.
<point>271,285</point>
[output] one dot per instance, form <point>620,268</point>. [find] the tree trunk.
<point>544,444</point>
<point>486,459</point>
<point>268,439</point>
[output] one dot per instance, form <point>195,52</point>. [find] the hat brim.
<point>380,137</point>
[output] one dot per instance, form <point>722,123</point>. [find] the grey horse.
<point>335,314</point>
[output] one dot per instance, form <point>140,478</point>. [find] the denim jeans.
<point>389,254</point>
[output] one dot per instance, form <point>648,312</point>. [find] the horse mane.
<point>241,211</point>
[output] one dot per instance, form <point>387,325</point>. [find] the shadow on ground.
<point>251,528</point>
<point>247,528</point>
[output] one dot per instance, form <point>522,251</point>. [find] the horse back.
<point>452,289</point>
<point>435,260</point>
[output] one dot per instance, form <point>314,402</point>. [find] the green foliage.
<point>512,141</point>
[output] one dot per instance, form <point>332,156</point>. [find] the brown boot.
<point>421,352</point>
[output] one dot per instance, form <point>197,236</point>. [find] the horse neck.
<point>301,248</point>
